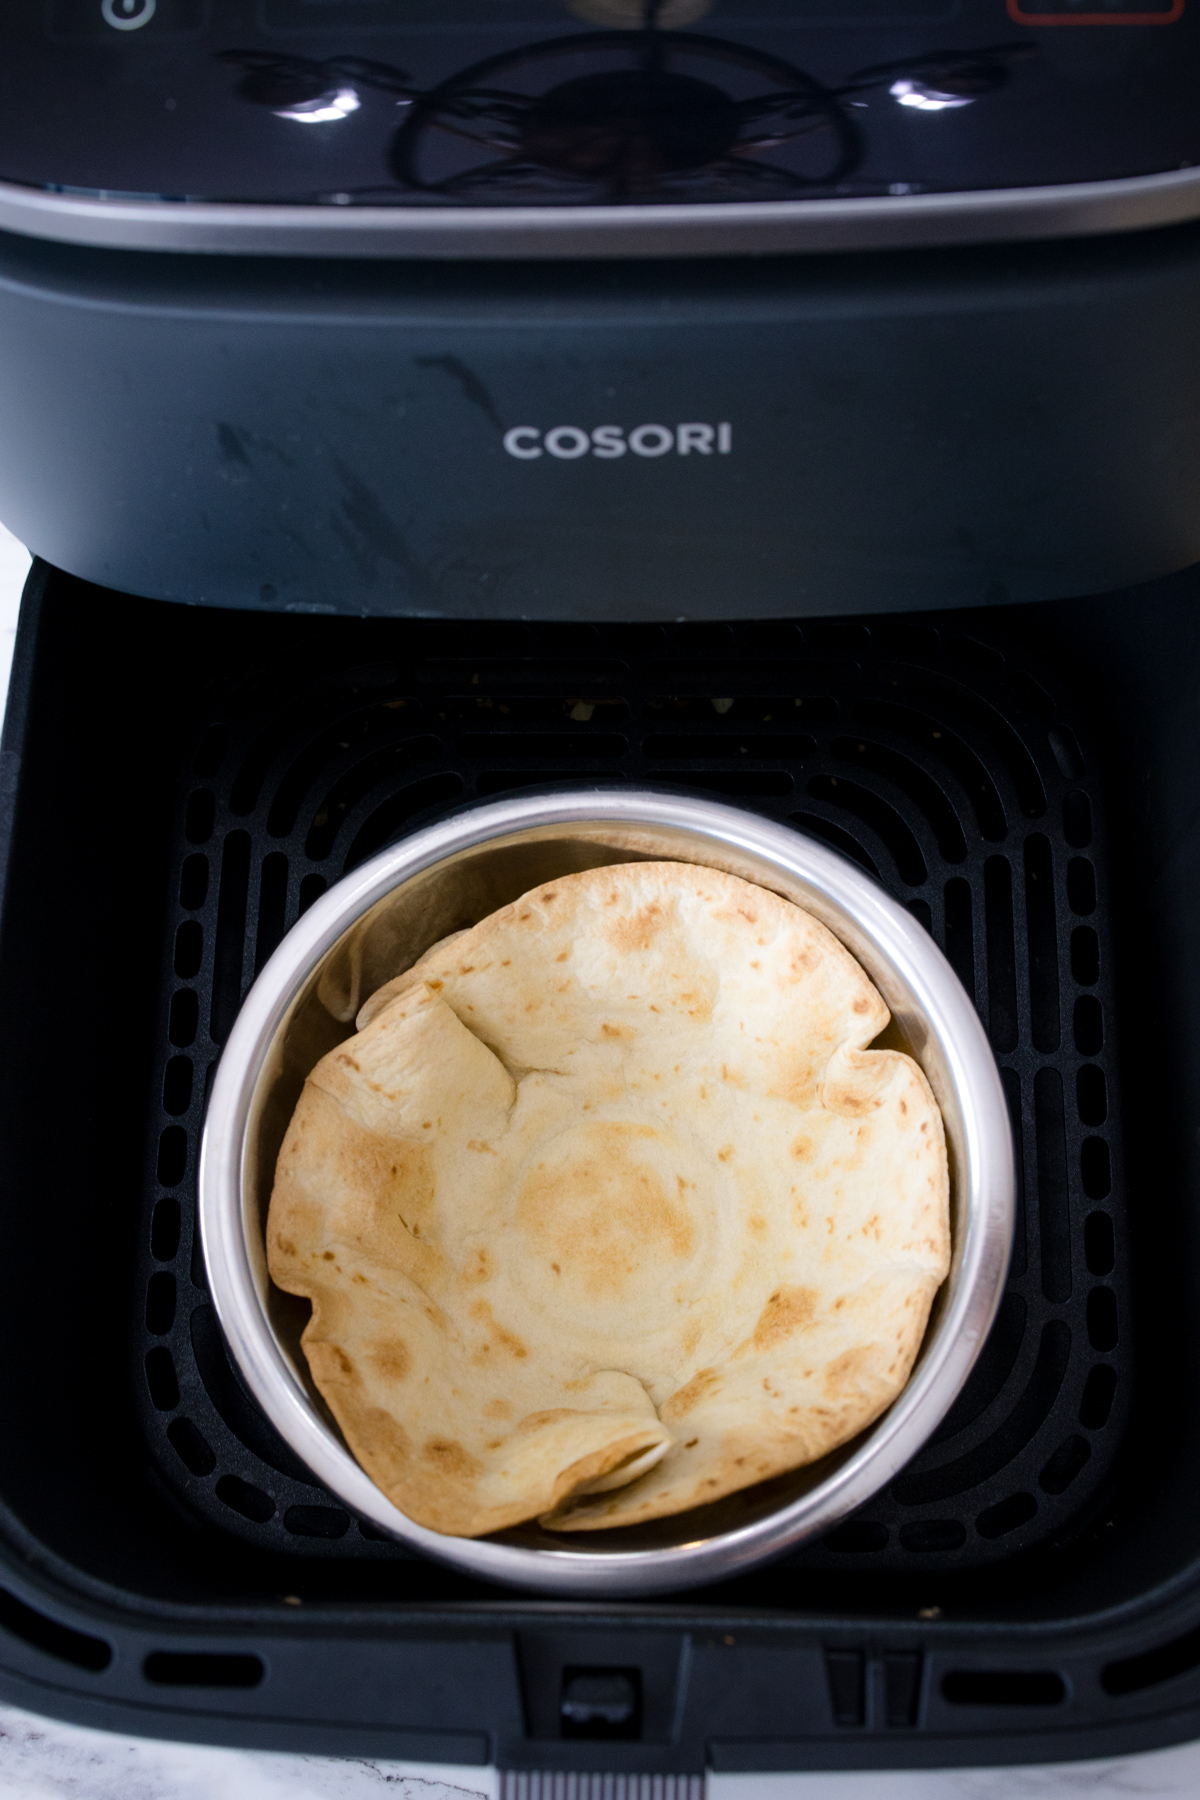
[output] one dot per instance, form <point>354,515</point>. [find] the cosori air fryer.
<point>414,402</point>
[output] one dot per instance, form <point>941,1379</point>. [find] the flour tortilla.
<point>607,1211</point>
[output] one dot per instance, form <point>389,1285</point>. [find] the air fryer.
<point>415,401</point>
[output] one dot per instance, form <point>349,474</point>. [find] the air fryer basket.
<point>181,785</point>
<point>927,761</point>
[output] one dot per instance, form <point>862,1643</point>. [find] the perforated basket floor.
<point>952,768</point>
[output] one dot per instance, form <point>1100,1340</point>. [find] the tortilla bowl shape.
<point>607,1210</point>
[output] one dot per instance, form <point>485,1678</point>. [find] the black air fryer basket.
<point>186,782</point>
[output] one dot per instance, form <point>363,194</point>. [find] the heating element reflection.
<point>334,104</point>
<point>641,113</point>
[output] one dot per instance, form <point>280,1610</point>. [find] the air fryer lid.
<point>504,103</point>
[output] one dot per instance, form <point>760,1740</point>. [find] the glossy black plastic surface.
<point>505,102</point>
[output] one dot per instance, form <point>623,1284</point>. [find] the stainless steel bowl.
<point>374,924</point>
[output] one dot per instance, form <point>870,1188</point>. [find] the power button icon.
<point>127,15</point>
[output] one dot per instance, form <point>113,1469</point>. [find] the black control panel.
<point>591,102</point>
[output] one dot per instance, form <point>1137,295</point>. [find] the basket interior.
<point>201,777</point>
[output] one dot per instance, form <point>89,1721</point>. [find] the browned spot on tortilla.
<point>638,930</point>
<point>563,956</point>
<point>482,1146</point>
<point>386,1186</point>
<point>795,1083</point>
<point>703,1383</point>
<point>449,1458</point>
<point>600,1211</point>
<point>787,1311</point>
<point>497,1409</point>
<point>389,1358</point>
<point>732,1076</point>
<point>724,1153</point>
<point>844,1377</point>
<point>328,1362</point>
<point>904,1106</point>
<point>861,1005</point>
<point>616,1031</point>
<point>388,1441</point>
<point>691,1443</point>
<point>504,1339</point>
<point>534,1421</point>
<point>802,1148</point>
<point>327,1256</point>
<point>478,1267</point>
<point>852,1105</point>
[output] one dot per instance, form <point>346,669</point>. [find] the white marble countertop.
<point>41,1759</point>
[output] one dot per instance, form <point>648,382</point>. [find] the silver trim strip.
<point>563,1784</point>
<point>894,221</point>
